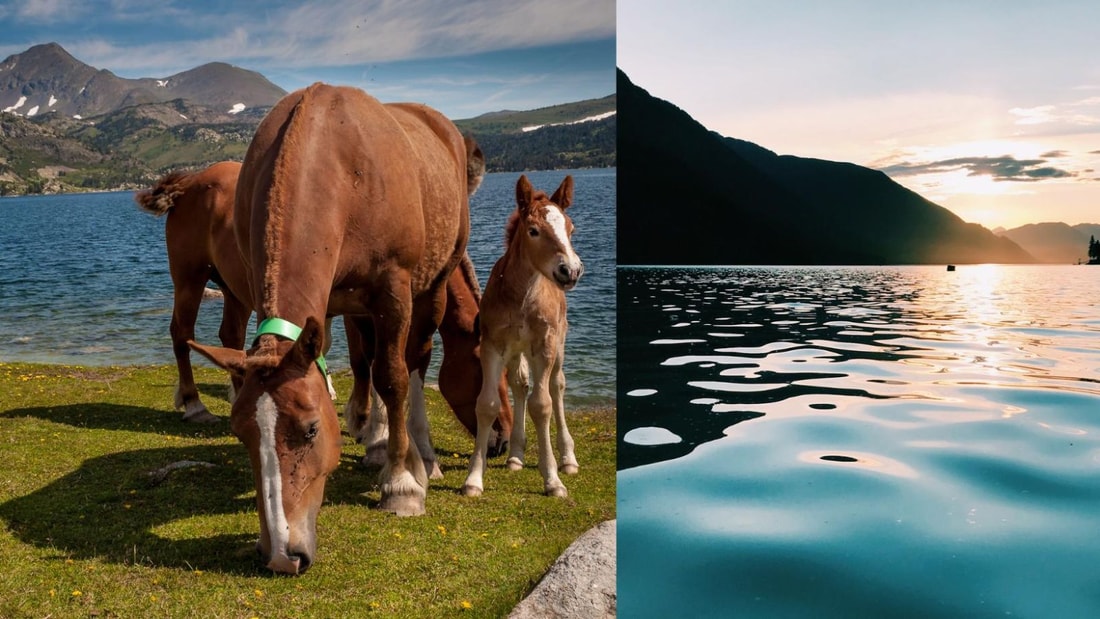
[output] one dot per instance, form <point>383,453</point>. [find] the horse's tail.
<point>475,164</point>
<point>466,267</point>
<point>161,197</point>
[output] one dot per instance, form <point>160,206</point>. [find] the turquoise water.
<point>84,280</point>
<point>859,442</point>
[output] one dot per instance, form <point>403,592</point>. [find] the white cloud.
<point>1034,115</point>
<point>349,33</point>
<point>46,10</point>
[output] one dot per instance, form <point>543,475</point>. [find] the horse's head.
<point>541,225</point>
<point>285,418</point>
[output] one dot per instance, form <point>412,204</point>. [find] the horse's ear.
<point>227,359</point>
<point>563,197</point>
<point>475,164</point>
<point>524,193</point>
<point>310,344</point>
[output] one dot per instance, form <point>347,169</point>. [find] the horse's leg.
<point>360,333</point>
<point>376,435</point>
<point>488,407</point>
<point>186,299</point>
<point>418,428</point>
<point>232,332</point>
<point>425,322</point>
<point>540,405</point>
<point>403,479</point>
<point>519,382</point>
<point>503,425</point>
<point>569,464</point>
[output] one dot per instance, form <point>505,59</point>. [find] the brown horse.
<point>201,247</point>
<point>346,206</point>
<point>523,322</point>
<point>198,232</point>
<point>459,379</point>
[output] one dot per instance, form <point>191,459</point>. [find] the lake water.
<point>859,442</point>
<point>84,280</point>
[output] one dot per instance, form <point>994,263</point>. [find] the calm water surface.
<point>84,280</point>
<point>859,442</point>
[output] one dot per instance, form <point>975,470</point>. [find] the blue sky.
<point>990,108</point>
<point>464,58</point>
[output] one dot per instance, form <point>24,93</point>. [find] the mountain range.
<point>688,195</point>
<point>66,126</point>
<point>46,79</point>
<point>1054,242</point>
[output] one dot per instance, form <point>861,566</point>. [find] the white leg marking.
<point>331,388</point>
<point>417,425</point>
<point>271,481</point>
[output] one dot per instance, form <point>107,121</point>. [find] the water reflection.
<point>703,349</point>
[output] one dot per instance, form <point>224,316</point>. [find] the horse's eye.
<point>311,431</point>
<point>534,232</point>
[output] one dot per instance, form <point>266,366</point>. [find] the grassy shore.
<point>88,532</point>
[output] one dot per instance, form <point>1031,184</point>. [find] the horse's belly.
<point>344,301</point>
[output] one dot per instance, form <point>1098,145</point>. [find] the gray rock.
<point>580,584</point>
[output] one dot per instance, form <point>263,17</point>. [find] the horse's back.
<point>386,183</point>
<point>200,227</point>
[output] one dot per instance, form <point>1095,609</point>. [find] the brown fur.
<point>204,198</point>
<point>199,238</point>
<point>523,326</point>
<point>353,208</point>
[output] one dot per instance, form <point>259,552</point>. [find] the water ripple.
<point>925,442</point>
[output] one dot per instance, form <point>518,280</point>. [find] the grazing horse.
<point>523,321</point>
<point>345,206</point>
<point>198,232</point>
<point>201,247</point>
<point>459,379</point>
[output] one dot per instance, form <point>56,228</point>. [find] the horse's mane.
<point>513,219</point>
<point>162,197</point>
<point>285,162</point>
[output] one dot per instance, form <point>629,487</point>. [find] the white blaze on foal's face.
<point>568,266</point>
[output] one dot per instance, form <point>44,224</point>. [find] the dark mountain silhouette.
<point>47,79</point>
<point>690,196</point>
<point>1055,242</point>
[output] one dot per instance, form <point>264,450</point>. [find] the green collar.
<point>289,330</point>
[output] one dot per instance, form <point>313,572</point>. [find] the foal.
<point>523,321</point>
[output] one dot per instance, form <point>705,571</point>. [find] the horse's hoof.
<point>402,504</point>
<point>201,416</point>
<point>433,466</point>
<point>469,490</point>
<point>570,469</point>
<point>557,491</point>
<point>515,464</point>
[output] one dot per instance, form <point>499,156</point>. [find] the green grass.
<point>86,532</point>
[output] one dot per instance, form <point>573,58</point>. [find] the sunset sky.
<point>989,108</point>
<point>464,58</point>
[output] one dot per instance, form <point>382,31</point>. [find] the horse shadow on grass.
<point>112,416</point>
<point>191,508</point>
<point>127,508</point>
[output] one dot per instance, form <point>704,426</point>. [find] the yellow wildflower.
<point>466,605</point>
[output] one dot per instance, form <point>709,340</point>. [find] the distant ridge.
<point>1054,242</point>
<point>688,195</point>
<point>47,79</point>
<point>66,126</point>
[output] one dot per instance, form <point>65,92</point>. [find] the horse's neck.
<point>523,284</point>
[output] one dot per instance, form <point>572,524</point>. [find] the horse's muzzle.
<point>567,276</point>
<point>293,564</point>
